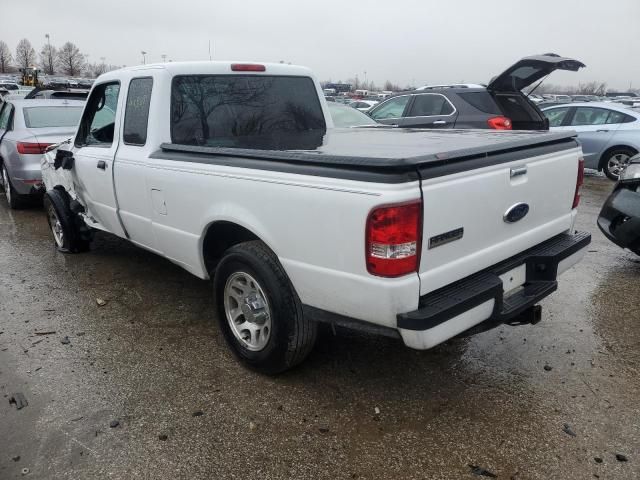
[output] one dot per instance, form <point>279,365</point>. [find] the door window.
<point>136,113</point>
<point>98,121</point>
<point>391,108</point>
<point>556,116</point>
<point>618,117</point>
<point>5,114</point>
<point>428,105</point>
<point>589,116</point>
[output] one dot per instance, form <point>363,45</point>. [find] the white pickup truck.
<point>234,172</point>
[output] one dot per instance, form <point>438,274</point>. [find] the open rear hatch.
<point>507,88</point>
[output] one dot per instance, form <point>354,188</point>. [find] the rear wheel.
<point>14,199</point>
<point>615,161</point>
<point>67,235</point>
<point>259,312</point>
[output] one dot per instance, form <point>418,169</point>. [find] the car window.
<point>429,104</point>
<point>391,108</point>
<point>618,117</point>
<point>49,117</point>
<point>98,121</point>
<point>136,113</point>
<point>556,116</point>
<point>483,101</point>
<point>4,116</point>
<point>246,111</point>
<point>345,116</point>
<point>589,116</point>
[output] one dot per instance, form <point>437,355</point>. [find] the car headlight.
<point>632,172</point>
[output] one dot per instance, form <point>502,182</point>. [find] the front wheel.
<point>259,311</point>
<point>67,236</point>
<point>616,161</point>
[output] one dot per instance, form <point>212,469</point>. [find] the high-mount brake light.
<point>247,67</point>
<point>393,239</point>
<point>499,123</point>
<point>579,182</point>
<point>30,148</point>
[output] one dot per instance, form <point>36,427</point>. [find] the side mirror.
<point>64,159</point>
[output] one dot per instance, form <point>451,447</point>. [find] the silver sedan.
<point>609,133</point>
<point>27,128</point>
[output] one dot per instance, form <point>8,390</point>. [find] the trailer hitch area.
<point>530,316</point>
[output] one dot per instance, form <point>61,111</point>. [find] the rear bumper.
<point>619,218</point>
<point>453,309</point>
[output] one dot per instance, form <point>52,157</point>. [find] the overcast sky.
<point>405,41</point>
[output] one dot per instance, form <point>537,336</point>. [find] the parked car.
<point>387,230</point>
<point>346,116</point>
<point>68,93</point>
<point>619,218</point>
<point>11,86</point>
<point>27,129</point>
<point>609,133</point>
<point>364,105</point>
<point>551,97</point>
<point>501,105</point>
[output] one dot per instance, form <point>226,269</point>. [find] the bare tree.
<point>48,58</point>
<point>70,60</point>
<point>391,87</point>
<point>592,88</point>
<point>25,54</point>
<point>5,57</point>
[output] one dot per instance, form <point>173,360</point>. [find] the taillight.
<point>247,67</point>
<point>499,123</point>
<point>579,182</point>
<point>28,148</point>
<point>393,239</point>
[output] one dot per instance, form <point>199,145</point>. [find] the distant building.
<point>339,87</point>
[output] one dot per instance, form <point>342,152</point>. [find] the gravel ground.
<point>146,388</point>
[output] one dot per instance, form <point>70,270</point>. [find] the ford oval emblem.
<point>516,213</point>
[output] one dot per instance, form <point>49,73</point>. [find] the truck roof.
<point>209,68</point>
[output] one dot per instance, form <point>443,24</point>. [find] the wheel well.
<point>605,154</point>
<point>219,238</point>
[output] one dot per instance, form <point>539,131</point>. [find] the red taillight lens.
<point>27,148</point>
<point>247,67</point>
<point>393,239</point>
<point>499,123</point>
<point>579,182</point>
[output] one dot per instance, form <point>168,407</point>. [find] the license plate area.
<point>514,279</point>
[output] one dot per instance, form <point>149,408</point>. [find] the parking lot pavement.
<point>152,359</point>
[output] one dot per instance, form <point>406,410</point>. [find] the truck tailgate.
<point>464,226</point>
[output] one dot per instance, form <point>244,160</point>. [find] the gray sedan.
<point>609,133</point>
<point>27,128</point>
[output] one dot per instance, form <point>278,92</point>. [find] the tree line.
<point>65,60</point>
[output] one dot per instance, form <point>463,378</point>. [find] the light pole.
<point>164,58</point>
<point>49,55</point>
<point>144,60</point>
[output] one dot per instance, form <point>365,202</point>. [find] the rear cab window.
<point>245,111</point>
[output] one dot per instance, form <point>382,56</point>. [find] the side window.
<point>136,113</point>
<point>556,116</point>
<point>589,116</point>
<point>428,105</point>
<point>98,121</point>
<point>391,109</point>
<point>619,117</point>
<point>5,114</point>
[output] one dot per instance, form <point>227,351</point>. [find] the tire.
<point>614,160</point>
<point>64,224</point>
<point>271,334</point>
<point>14,199</point>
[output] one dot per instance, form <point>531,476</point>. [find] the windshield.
<point>43,117</point>
<point>344,116</point>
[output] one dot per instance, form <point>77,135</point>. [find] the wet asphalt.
<point>152,358</point>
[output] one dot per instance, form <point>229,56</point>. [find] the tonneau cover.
<point>392,148</point>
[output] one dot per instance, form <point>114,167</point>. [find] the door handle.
<point>602,130</point>
<point>440,122</point>
<point>102,165</point>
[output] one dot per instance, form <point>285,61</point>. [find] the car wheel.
<point>14,200</point>
<point>62,222</point>
<point>259,311</point>
<point>615,161</point>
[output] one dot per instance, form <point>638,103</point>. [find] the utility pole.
<point>144,59</point>
<point>164,58</point>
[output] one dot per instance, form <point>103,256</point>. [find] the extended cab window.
<point>136,113</point>
<point>98,121</point>
<point>250,111</point>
